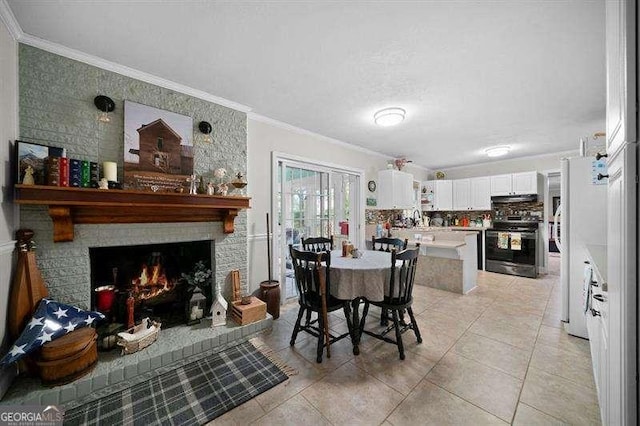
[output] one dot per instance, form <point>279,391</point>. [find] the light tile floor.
<point>494,356</point>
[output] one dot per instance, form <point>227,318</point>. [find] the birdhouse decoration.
<point>218,310</point>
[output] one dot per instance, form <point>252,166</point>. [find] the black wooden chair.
<point>313,283</point>
<point>398,298</point>
<point>388,244</point>
<point>317,244</point>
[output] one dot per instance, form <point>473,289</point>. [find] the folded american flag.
<point>50,321</point>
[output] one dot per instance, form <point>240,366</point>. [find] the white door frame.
<point>277,157</point>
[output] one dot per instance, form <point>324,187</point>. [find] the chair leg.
<point>308,317</point>
<point>365,311</point>
<point>352,332</point>
<point>384,317</point>
<point>296,327</point>
<point>398,333</point>
<point>320,348</point>
<point>414,325</point>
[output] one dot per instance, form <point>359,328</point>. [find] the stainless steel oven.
<point>511,248</point>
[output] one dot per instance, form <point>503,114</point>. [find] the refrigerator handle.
<point>556,234</point>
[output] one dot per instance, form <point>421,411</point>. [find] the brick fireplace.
<point>66,267</point>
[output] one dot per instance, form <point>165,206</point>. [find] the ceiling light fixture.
<point>497,151</point>
<point>389,116</point>
<point>106,105</point>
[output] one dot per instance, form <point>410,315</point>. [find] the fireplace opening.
<point>159,281</point>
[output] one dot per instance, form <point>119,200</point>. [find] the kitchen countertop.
<point>443,244</point>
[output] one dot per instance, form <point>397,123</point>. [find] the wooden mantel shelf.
<point>68,206</point>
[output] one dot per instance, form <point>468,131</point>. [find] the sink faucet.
<point>413,217</point>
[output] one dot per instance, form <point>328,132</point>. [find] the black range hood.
<point>502,199</point>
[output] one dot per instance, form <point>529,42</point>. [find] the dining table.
<point>355,279</point>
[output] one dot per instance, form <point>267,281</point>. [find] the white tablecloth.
<point>367,276</point>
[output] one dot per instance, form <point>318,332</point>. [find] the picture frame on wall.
<point>372,202</point>
<point>158,148</point>
<point>34,155</point>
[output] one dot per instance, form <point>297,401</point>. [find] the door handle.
<point>601,176</point>
<point>599,156</point>
<point>599,297</point>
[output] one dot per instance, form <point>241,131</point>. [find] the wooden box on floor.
<point>246,314</point>
<point>68,357</point>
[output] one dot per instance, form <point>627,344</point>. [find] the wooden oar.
<point>322,287</point>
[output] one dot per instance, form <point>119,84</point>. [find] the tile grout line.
<point>529,365</point>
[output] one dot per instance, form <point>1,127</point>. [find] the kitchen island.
<point>448,262</point>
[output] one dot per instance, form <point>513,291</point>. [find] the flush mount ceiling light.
<point>389,116</point>
<point>106,105</point>
<point>497,151</point>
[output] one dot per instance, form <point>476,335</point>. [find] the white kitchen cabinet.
<point>501,185</point>
<point>461,194</point>
<point>437,195</point>
<point>472,194</point>
<point>443,195</point>
<point>481,193</point>
<point>515,184</point>
<point>395,190</point>
<point>621,73</point>
<point>524,183</point>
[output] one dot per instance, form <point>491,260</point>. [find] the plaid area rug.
<point>192,394</point>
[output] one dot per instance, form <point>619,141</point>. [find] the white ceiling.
<point>471,74</point>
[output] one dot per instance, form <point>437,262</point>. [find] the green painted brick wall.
<point>56,108</point>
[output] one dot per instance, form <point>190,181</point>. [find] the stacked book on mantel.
<point>63,171</point>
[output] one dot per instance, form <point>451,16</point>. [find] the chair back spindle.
<point>388,244</point>
<point>317,244</point>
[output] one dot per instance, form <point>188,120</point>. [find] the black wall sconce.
<point>106,105</point>
<point>205,129</point>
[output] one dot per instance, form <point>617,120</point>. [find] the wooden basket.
<point>68,357</point>
<point>132,346</point>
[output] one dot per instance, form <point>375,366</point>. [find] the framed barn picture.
<point>34,155</point>
<point>158,148</point>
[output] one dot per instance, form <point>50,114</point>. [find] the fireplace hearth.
<point>129,283</point>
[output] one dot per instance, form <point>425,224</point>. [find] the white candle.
<point>110,171</point>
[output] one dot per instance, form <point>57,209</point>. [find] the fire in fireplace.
<point>148,279</point>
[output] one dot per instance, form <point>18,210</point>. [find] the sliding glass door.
<point>311,200</point>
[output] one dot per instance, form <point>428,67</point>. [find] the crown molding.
<point>9,19</point>
<point>96,61</point>
<point>285,126</point>
<point>560,154</point>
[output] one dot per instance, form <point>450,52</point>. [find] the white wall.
<point>8,126</point>
<point>539,163</point>
<point>262,139</point>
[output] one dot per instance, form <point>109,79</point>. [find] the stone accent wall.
<point>56,108</point>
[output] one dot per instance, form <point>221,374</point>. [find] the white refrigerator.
<point>583,220</point>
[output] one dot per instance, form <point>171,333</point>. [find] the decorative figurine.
<point>222,189</point>
<point>130,310</point>
<point>103,183</point>
<point>193,184</point>
<point>28,176</point>
<point>211,188</point>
